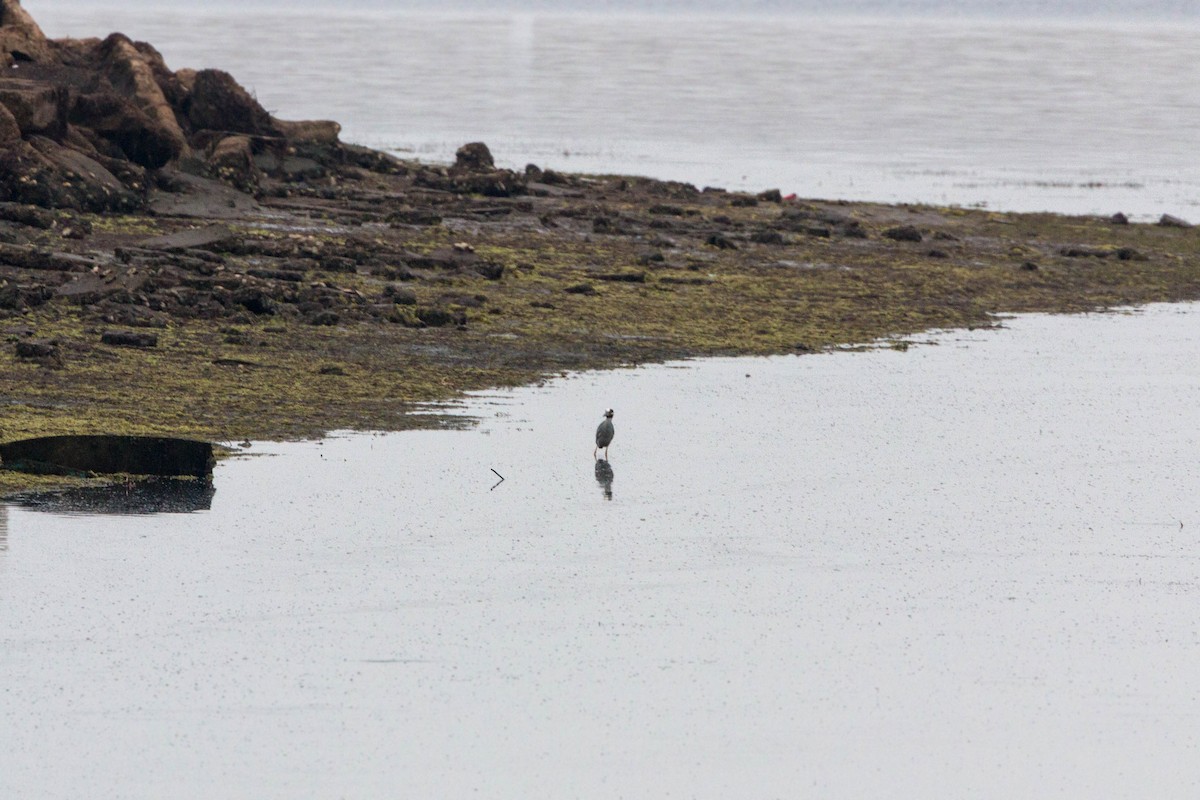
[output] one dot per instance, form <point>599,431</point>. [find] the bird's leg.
<point>594,451</point>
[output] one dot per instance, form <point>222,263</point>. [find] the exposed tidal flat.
<point>322,314</point>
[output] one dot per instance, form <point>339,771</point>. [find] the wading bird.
<point>604,434</point>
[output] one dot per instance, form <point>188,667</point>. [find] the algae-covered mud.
<point>176,261</point>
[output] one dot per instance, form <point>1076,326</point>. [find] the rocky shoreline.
<point>175,260</point>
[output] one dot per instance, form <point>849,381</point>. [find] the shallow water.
<point>966,570</point>
<point>1084,115</point>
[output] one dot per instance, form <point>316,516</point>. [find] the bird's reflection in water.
<point>3,527</point>
<point>604,477</point>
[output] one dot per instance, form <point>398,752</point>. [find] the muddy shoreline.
<point>268,281</point>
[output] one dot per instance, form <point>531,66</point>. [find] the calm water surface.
<point>1083,115</point>
<point>966,570</point>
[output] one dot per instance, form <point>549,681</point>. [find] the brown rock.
<point>133,73</point>
<point>129,339</point>
<point>903,233</point>
<point>38,108</point>
<point>474,156</point>
<point>217,102</point>
<point>20,37</point>
<point>232,161</point>
<point>10,130</point>
<point>45,173</point>
<point>37,349</point>
<point>136,135</point>
<point>319,131</point>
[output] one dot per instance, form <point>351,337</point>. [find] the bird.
<point>604,434</point>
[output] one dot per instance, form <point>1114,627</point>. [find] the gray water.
<point>966,570</point>
<point>1020,109</point>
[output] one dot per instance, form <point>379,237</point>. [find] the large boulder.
<point>38,108</point>
<point>232,160</point>
<point>20,37</point>
<point>42,172</point>
<point>138,137</point>
<point>474,156</point>
<point>134,74</point>
<point>218,103</point>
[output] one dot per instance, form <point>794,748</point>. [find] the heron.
<point>604,434</point>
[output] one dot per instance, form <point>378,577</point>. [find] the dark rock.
<point>936,253</point>
<point>338,264</point>
<point>41,172</point>
<point>685,281</point>
<point>37,108</point>
<point>400,295</point>
<point>29,215</point>
<point>493,272</point>
<point>1129,254</point>
<point>440,317</point>
<point>1119,219</point>
<point>771,196</point>
<point>651,257</point>
<point>604,225</point>
<point>21,39</point>
<point>414,217</point>
<point>720,241</point>
<point>137,73</point>
<point>1168,221</point>
<point>135,455</point>
<point>37,349</point>
<point>218,103</point>
<point>129,339</point>
<point>143,140</point>
<point>743,201</point>
<point>1081,251</point>
<point>232,161</point>
<point>256,301</point>
<point>10,130</point>
<point>580,288</point>
<point>285,275</point>
<point>323,318</point>
<point>331,370</point>
<point>621,277</point>
<point>18,298</point>
<point>464,300</point>
<point>1030,266</point>
<point>903,233</point>
<point>533,172</point>
<point>767,238</point>
<point>474,156</point>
